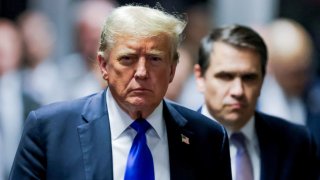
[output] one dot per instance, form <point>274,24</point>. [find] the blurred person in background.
<point>291,89</point>
<point>306,13</point>
<point>183,89</point>
<point>230,74</point>
<point>79,69</point>
<point>42,79</point>
<point>15,104</point>
<point>184,68</point>
<point>200,24</point>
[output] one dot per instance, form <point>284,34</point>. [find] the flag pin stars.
<point>185,139</point>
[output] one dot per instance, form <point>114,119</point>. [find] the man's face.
<point>138,71</point>
<point>296,76</point>
<point>231,84</point>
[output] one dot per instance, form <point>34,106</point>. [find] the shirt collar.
<point>205,111</point>
<point>247,129</point>
<point>120,120</point>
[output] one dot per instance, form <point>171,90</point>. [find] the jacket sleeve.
<point>29,162</point>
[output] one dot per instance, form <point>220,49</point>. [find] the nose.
<point>237,89</point>
<point>141,69</point>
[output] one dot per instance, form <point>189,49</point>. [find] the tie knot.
<point>140,125</point>
<point>238,139</point>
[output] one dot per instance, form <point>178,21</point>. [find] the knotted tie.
<point>243,164</point>
<point>140,162</point>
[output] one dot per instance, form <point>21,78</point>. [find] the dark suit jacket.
<point>71,140</point>
<point>311,100</point>
<point>287,151</point>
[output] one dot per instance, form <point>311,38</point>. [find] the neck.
<point>138,113</point>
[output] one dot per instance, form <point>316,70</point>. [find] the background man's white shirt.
<point>251,142</point>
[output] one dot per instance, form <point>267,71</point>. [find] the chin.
<point>232,118</point>
<point>139,101</point>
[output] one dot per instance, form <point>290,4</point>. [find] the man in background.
<point>230,73</point>
<point>15,103</point>
<point>79,69</point>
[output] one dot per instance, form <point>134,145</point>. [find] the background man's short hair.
<point>237,36</point>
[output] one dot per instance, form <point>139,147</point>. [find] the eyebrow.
<point>225,72</point>
<point>128,51</point>
<point>156,52</point>
<point>236,73</point>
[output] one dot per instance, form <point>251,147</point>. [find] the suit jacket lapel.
<point>180,144</point>
<point>95,139</point>
<point>268,149</point>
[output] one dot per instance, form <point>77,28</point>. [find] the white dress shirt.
<point>122,136</point>
<point>252,145</point>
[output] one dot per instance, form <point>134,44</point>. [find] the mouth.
<point>140,90</point>
<point>236,106</point>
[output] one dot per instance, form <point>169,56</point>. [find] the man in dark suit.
<point>230,73</point>
<point>102,135</point>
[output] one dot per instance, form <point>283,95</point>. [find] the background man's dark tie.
<point>244,169</point>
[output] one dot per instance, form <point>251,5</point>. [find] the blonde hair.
<point>141,21</point>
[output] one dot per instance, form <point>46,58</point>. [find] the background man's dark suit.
<point>287,151</point>
<point>72,141</point>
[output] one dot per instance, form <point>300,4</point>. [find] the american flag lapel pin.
<point>185,139</point>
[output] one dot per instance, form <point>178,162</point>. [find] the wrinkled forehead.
<point>160,43</point>
<point>135,38</point>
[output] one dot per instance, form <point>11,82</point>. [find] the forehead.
<point>225,57</point>
<point>160,42</point>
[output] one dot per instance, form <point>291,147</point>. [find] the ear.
<point>173,71</point>
<point>103,66</point>
<point>199,78</point>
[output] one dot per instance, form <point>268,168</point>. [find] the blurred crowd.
<point>30,76</point>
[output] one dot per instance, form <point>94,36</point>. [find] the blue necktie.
<point>244,169</point>
<point>140,162</point>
